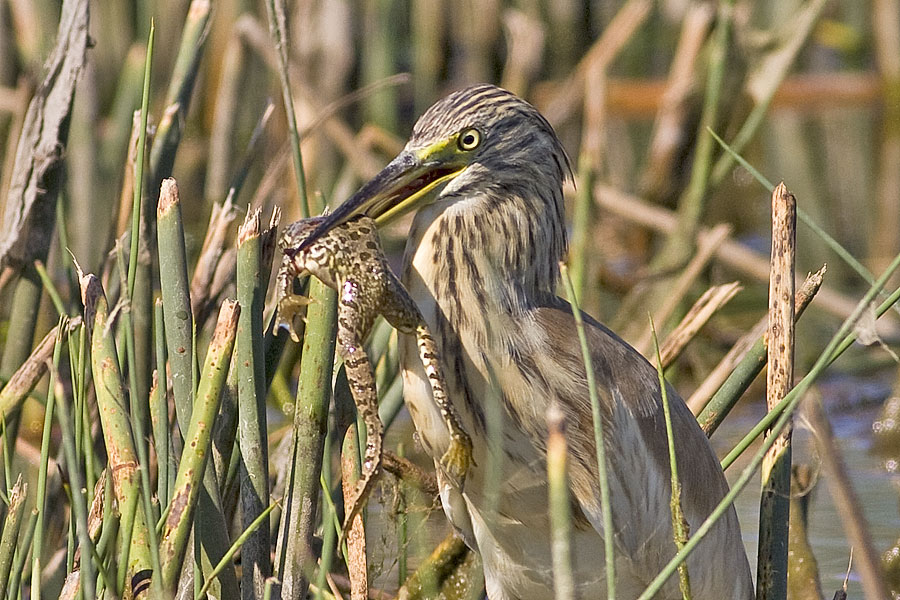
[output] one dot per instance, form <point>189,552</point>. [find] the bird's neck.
<point>473,261</point>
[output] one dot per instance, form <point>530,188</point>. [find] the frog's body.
<point>349,259</point>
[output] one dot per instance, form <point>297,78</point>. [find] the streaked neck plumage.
<point>468,250</point>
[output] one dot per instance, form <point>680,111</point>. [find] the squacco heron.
<point>484,172</point>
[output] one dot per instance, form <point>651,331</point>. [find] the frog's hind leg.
<point>458,457</point>
<point>361,380</point>
<point>402,313</point>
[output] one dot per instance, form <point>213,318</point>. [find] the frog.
<point>349,259</point>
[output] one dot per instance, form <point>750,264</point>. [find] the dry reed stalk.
<point>640,99</point>
<point>886,29</point>
<point>410,473</point>
<point>706,249</point>
<point>848,506</point>
<point>220,219</point>
<point>751,347</point>
<point>730,253</point>
<point>776,466</point>
<point>703,309</point>
<point>525,49</point>
<point>26,376</point>
<point>356,535</point>
<point>673,126</point>
<point>568,95</point>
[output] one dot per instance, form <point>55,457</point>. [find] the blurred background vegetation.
<point>808,92</point>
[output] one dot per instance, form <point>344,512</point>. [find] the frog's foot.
<point>290,307</point>
<point>458,458</point>
<point>364,489</point>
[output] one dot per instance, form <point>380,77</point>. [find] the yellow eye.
<point>469,139</point>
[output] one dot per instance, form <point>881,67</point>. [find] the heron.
<point>484,172</point>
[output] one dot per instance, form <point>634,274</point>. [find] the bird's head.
<point>482,138</point>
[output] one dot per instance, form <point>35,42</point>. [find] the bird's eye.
<point>469,139</point>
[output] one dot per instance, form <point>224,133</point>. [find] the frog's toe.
<point>457,460</point>
<point>289,309</point>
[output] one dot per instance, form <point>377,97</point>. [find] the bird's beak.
<point>400,187</point>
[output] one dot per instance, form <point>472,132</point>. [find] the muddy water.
<point>852,407</point>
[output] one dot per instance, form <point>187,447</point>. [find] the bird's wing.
<point>634,426</point>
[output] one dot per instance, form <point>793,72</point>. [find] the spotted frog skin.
<point>349,259</point>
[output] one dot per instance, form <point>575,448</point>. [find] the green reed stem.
<point>751,365</point>
<point>240,541</point>
<point>176,297</point>
<point>41,499</point>
<point>680,527</point>
<point>278,31</point>
<point>605,506</point>
<point>15,578</point>
<point>117,430</point>
<point>79,505</point>
<point>139,165</point>
<point>295,560</point>
<point>52,292</point>
<point>692,201</point>
<point>159,412</point>
<point>138,409</point>
<point>581,226</point>
<point>181,86</point>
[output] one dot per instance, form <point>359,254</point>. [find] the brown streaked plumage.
<point>485,170</point>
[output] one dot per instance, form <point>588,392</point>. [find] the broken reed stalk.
<point>848,506</point>
<point>776,467</point>
<point>11,526</point>
<point>251,394</point>
<point>560,506</point>
<point>109,389</point>
<point>679,287</point>
<point>737,370</point>
<point>697,316</point>
<point>176,300</point>
<point>193,464</point>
